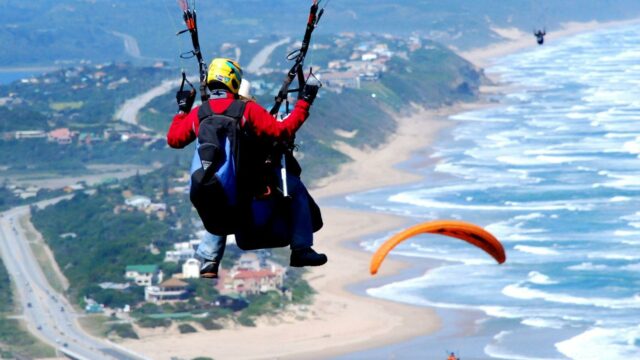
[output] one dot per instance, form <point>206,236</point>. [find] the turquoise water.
<point>553,171</point>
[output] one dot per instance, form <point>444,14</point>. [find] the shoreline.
<point>517,40</point>
<point>341,320</point>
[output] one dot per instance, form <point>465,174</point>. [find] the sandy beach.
<point>340,322</point>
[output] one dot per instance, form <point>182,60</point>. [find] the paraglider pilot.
<point>235,182</point>
<point>539,34</point>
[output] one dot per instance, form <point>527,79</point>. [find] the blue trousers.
<point>212,247</point>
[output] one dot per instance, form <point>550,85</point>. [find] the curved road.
<point>128,112</point>
<point>47,313</point>
<point>130,44</point>
<point>130,109</point>
<point>263,56</point>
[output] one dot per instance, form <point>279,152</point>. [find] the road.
<point>48,314</point>
<point>130,44</point>
<point>263,56</point>
<point>130,109</point>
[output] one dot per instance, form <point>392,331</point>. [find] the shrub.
<point>186,328</point>
<point>147,322</point>
<point>209,324</point>
<point>124,331</point>
<point>245,320</point>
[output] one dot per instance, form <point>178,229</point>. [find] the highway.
<point>48,314</point>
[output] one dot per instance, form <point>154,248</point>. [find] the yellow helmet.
<point>227,72</point>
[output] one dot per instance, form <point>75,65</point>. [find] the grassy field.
<point>16,340</point>
<point>96,325</point>
<point>14,337</point>
<point>44,260</point>
<point>67,105</point>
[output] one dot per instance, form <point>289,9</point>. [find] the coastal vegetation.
<point>106,237</point>
<point>15,340</point>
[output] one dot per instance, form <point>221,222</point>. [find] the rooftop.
<point>143,269</point>
<point>248,274</point>
<point>173,283</point>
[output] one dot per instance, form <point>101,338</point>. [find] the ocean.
<point>7,76</point>
<point>553,171</point>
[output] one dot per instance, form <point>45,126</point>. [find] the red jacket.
<point>184,128</point>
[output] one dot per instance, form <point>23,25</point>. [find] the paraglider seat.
<point>273,231</point>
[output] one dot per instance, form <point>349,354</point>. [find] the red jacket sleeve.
<point>183,129</point>
<point>258,120</point>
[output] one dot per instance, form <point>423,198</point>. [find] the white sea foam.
<point>624,233</point>
<point>622,181</point>
<point>516,230</point>
<point>620,199</point>
<point>603,343</point>
<point>497,350</point>
<point>576,115</point>
<point>539,278</point>
<point>633,220</point>
<point>536,250</point>
<point>529,216</point>
<point>588,266</point>
<point>574,205</point>
<point>633,147</point>
<point>621,135</point>
<point>610,255</point>
<point>518,291</point>
<point>543,323</point>
<point>541,160</point>
<point>483,117</point>
<point>631,267</point>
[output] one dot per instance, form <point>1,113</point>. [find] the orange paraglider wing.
<point>470,233</point>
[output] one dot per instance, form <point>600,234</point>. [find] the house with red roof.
<point>251,275</point>
<point>62,136</point>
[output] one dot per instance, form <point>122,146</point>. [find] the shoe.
<point>306,257</point>
<point>208,268</point>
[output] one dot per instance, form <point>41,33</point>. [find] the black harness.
<point>224,199</point>
<point>214,185</point>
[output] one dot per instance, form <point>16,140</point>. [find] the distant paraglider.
<point>539,34</point>
<point>452,356</point>
<point>470,233</point>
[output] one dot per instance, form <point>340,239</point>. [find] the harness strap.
<point>235,110</point>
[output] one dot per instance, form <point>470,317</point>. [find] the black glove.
<point>185,99</point>
<point>309,91</point>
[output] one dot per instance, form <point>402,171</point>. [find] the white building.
<point>369,56</point>
<point>191,269</point>
<point>177,256</point>
<point>143,275</point>
<point>140,202</point>
<point>30,134</point>
<point>114,286</point>
<point>182,251</point>
<point>170,290</point>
